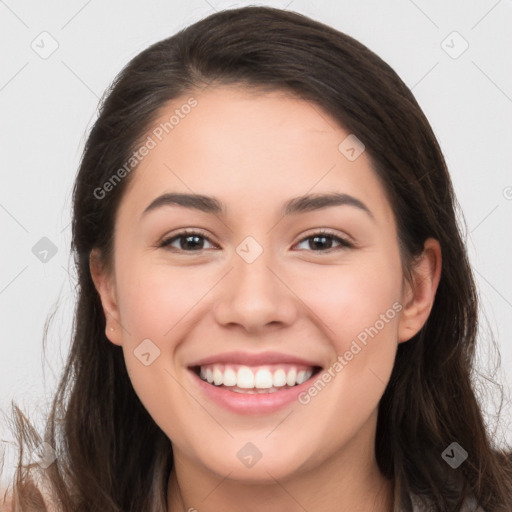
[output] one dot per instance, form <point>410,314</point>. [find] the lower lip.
<point>247,403</point>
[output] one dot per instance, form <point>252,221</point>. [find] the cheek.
<point>157,303</point>
<point>353,296</point>
<point>155,299</point>
<point>359,310</point>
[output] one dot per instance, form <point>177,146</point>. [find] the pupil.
<point>316,238</point>
<point>190,237</point>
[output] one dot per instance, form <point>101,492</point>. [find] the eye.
<point>188,241</point>
<point>193,241</point>
<point>322,241</point>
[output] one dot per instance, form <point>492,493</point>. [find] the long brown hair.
<point>111,456</point>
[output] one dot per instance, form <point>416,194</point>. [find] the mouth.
<point>249,383</point>
<point>263,379</point>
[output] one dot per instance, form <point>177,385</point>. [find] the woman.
<point>275,303</point>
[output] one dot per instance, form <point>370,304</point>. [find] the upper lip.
<point>254,359</point>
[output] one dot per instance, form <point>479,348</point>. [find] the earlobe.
<point>104,284</point>
<point>420,294</point>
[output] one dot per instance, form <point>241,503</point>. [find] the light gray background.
<point>48,105</point>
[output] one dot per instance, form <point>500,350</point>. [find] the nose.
<point>256,296</point>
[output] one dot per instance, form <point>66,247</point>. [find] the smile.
<point>259,379</point>
<point>252,383</point>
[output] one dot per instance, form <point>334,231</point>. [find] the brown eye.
<point>323,242</point>
<point>188,241</point>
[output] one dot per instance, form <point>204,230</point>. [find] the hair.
<point>430,400</point>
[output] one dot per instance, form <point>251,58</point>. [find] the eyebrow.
<point>296,205</point>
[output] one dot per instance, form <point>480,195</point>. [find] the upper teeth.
<point>263,377</point>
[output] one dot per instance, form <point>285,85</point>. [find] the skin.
<point>253,152</point>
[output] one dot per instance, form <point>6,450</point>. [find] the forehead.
<point>249,147</point>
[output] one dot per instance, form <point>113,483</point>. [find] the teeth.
<point>245,378</point>
<point>218,377</point>
<point>265,379</point>
<point>291,377</point>
<point>229,377</point>
<point>279,379</point>
<point>302,376</point>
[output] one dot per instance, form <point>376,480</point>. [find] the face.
<point>292,308</point>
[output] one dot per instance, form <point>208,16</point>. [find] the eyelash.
<point>344,244</point>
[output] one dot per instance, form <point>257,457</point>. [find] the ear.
<point>418,296</point>
<point>105,285</point>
